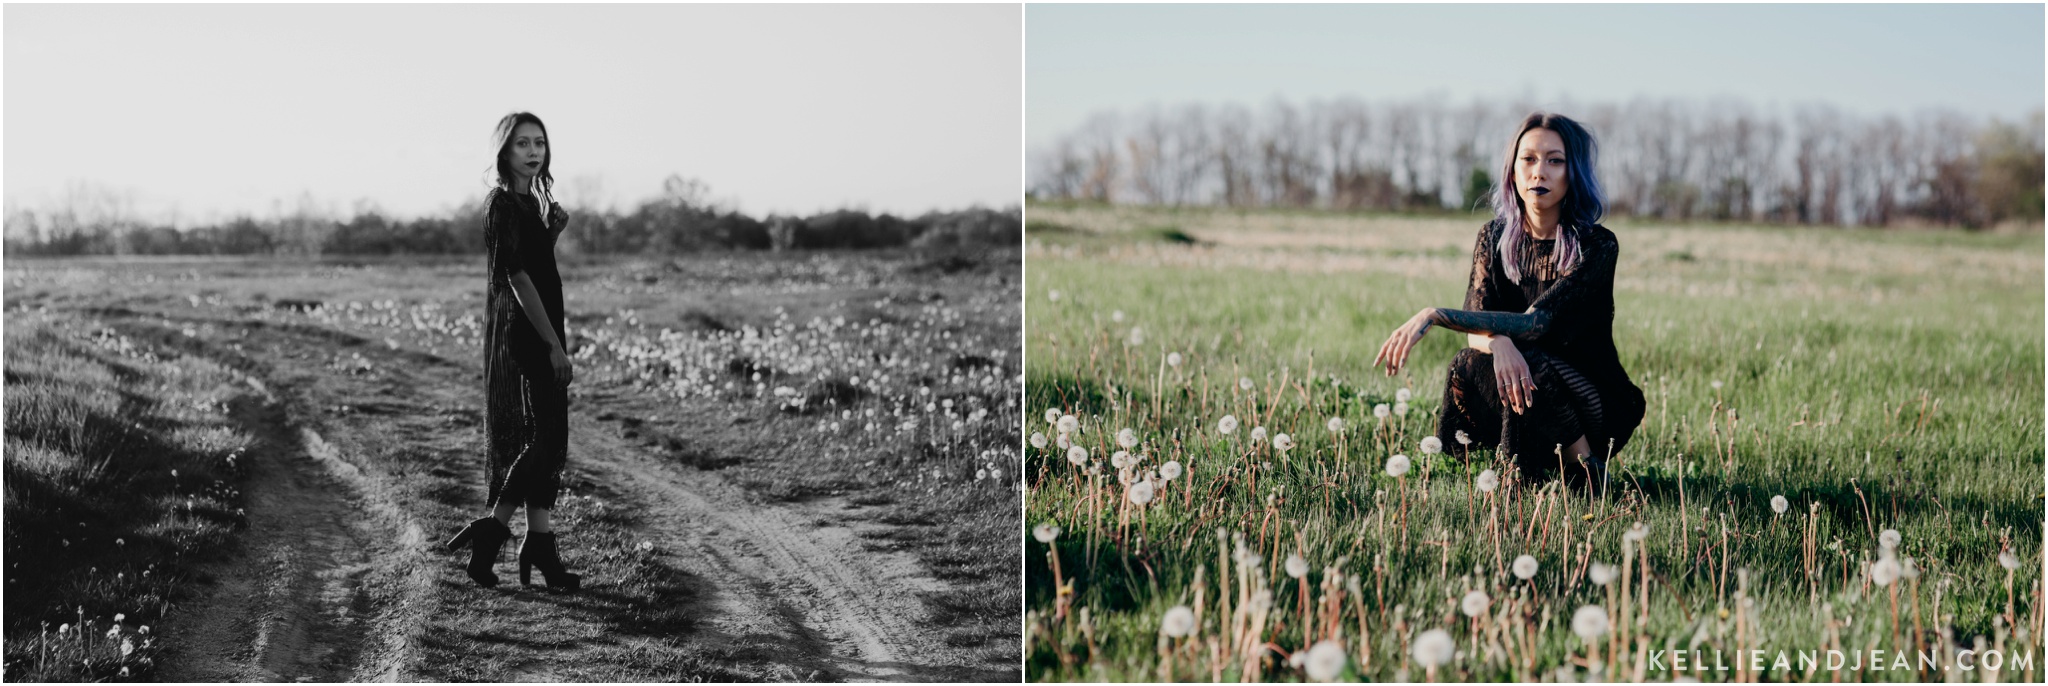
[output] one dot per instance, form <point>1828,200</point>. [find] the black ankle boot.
<point>484,537</point>
<point>539,551</point>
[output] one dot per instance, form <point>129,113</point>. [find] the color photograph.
<point>1533,343</point>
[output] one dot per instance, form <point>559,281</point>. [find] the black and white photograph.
<point>594,343</point>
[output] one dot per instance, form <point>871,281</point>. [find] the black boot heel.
<point>484,536</point>
<point>538,550</point>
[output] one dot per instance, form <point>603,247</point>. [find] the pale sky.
<point>1981,60</point>
<point>223,109</point>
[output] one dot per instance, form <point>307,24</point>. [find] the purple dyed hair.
<point>1584,203</point>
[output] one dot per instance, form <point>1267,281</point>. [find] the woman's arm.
<point>1480,342</point>
<point>529,302</point>
<point>1559,313</point>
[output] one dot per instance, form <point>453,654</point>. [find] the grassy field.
<point>782,467</point>
<point>1877,381</point>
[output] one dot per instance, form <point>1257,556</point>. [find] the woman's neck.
<point>523,185</point>
<point>1540,224</point>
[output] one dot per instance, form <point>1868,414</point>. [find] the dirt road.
<point>368,460</point>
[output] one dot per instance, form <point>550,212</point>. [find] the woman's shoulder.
<point>1600,237</point>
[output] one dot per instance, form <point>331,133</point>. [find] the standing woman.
<point>1539,378</point>
<point>526,366</point>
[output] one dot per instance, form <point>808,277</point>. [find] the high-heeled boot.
<point>484,536</point>
<point>538,550</point>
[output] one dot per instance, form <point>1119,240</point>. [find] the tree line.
<point>1667,159</point>
<point>682,219</point>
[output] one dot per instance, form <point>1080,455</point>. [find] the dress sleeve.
<point>1561,312</point>
<point>1482,293</point>
<point>501,235</point>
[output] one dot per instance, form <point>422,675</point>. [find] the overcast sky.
<point>1867,59</point>
<point>223,109</point>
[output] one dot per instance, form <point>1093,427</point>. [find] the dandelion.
<point>1716,384</point>
<point>1525,567</point>
<point>1636,532</point>
<point>1046,533</point>
<point>1401,396</point>
<point>1173,359</point>
<point>1116,316</point>
<point>1335,425</point>
<point>1052,415</point>
<point>1325,660</point>
<point>1227,424</point>
<point>1244,383</point>
<point>1487,481</point>
<point>1475,604</point>
<point>1140,492</point>
<point>1589,622</point>
<point>646,546</point>
<point>1120,459</point>
<point>121,542</point>
<point>1381,411</point>
<point>1258,434</point>
<point>1283,443</point>
<point>1170,471</point>
<point>1069,424</point>
<point>1432,445</point>
<point>127,648</point>
<point>1127,438</point>
<point>1889,538</point>
<point>1884,571</point>
<point>1038,440</point>
<point>1601,574</point>
<point>1178,622</point>
<point>1434,647</point>
<point>1462,438</point>
<point>119,617</point>
<point>2009,561</point>
<point>1137,337</point>
<point>1779,504</point>
<point>1077,455</point>
<point>1400,409</point>
<point>1908,569</point>
<point>1054,295</point>
<point>1296,567</point>
<point>1397,466</point>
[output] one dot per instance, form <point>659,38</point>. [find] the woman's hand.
<point>1511,375</point>
<point>1395,351</point>
<point>557,219</point>
<point>563,370</point>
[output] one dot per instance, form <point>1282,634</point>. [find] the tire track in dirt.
<point>789,590</point>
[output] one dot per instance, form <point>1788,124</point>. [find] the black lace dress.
<point>526,412</point>
<point>1563,324</point>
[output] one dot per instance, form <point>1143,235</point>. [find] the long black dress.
<point>526,412</point>
<point>1564,327</point>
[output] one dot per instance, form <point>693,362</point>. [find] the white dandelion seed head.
<point>1889,538</point>
<point>1636,532</point>
<point>1244,383</point>
<point>1038,440</point>
<point>1434,648</point>
<point>1120,459</point>
<point>1601,574</point>
<point>1053,295</point>
<point>1298,660</point>
<point>1590,622</point>
<point>1062,442</point>
<point>1463,439</point>
<point>1909,569</point>
<point>1884,571</point>
<point>1716,384</point>
<point>1283,443</point>
<point>1069,424</point>
<point>1397,466</point>
<point>1262,599</point>
<point>1052,415</point>
<point>1382,411</point>
<point>1140,492</point>
<point>127,648</point>
<point>1475,603</point>
<point>1325,660</point>
<point>1335,425</point>
<point>1137,337</point>
<point>1116,316</point>
<point>1402,395</point>
<point>1226,425</point>
<point>1525,567</point>
<point>1779,504</point>
<point>1127,438</point>
<point>2008,560</point>
<point>1170,471</point>
<point>1432,445</point>
<point>1400,409</point>
<point>1178,622</point>
<point>1258,434</point>
<point>1487,481</point>
<point>1077,455</point>
<point>1046,533</point>
<point>1173,359</point>
<point>1296,567</point>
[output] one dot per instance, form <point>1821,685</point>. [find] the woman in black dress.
<point>1539,380</point>
<point>526,365</point>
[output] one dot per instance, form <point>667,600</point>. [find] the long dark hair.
<point>1584,203</point>
<point>502,168</point>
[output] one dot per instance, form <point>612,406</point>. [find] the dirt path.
<point>687,576</point>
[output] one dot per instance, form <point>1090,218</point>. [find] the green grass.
<point>1878,380</point>
<point>120,472</point>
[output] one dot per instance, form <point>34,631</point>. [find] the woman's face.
<point>1540,173</point>
<point>527,152</point>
